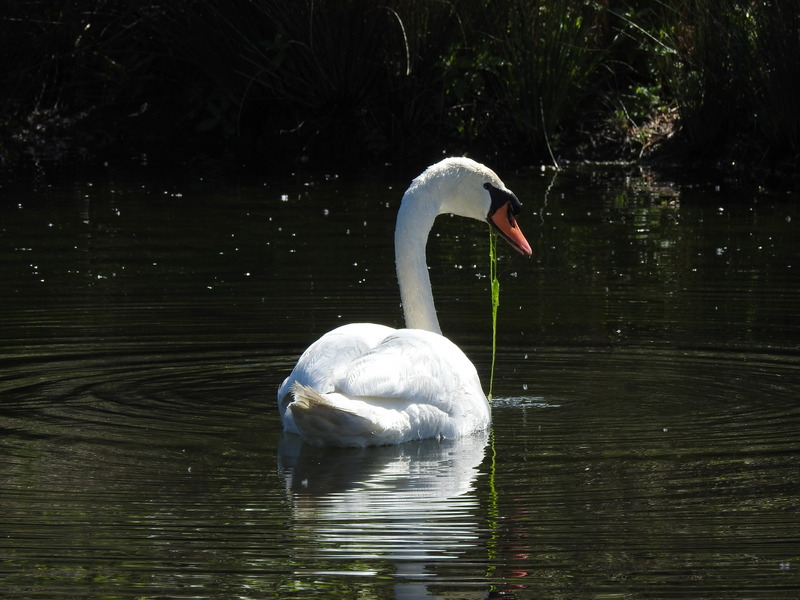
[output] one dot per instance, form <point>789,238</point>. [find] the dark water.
<point>647,409</point>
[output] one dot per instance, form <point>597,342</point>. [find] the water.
<point>646,411</point>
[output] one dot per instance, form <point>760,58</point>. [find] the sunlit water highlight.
<point>646,412</point>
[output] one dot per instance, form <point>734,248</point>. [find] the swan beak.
<point>504,222</point>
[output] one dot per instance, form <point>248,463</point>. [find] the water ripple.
<point>169,454</point>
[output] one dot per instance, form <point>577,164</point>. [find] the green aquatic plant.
<point>495,289</point>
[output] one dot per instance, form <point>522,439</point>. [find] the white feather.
<point>364,384</point>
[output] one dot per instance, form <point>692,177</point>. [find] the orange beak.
<point>506,225</point>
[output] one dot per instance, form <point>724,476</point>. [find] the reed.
<point>733,69</point>
<point>333,78</point>
<point>774,69</point>
<point>67,58</point>
<point>545,55</point>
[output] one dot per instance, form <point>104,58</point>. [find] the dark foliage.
<point>277,81</point>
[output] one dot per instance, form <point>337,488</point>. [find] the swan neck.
<point>414,222</point>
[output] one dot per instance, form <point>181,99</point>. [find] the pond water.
<point>646,394</point>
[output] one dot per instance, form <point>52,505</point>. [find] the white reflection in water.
<point>409,504</point>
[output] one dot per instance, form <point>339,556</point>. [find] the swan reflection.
<point>407,504</point>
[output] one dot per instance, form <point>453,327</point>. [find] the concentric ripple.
<point>692,452</point>
<point>159,463</point>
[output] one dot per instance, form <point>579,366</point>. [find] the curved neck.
<point>414,222</point>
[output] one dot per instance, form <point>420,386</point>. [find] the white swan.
<point>367,385</point>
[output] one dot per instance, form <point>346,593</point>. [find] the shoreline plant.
<point>349,81</point>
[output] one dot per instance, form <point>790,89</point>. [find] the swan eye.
<point>500,198</point>
<point>510,216</point>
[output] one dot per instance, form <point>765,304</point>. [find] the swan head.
<point>469,189</point>
<point>501,216</point>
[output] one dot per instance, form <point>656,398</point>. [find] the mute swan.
<point>369,385</point>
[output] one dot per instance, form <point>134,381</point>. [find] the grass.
<point>546,55</point>
<point>352,80</point>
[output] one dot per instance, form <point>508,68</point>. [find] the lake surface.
<point>646,395</point>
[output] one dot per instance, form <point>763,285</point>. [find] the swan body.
<point>364,384</point>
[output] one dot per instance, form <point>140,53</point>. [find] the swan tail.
<point>323,421</point>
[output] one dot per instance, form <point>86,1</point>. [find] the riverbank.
<point>273,84</point>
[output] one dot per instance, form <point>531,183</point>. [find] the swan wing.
<point>410,365</point>
<point>324,360</point>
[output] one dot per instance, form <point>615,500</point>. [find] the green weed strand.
<point>495,286</point>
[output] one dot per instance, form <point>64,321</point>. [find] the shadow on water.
<point>645,416</point>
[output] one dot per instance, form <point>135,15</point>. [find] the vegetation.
<point>350,80</point>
